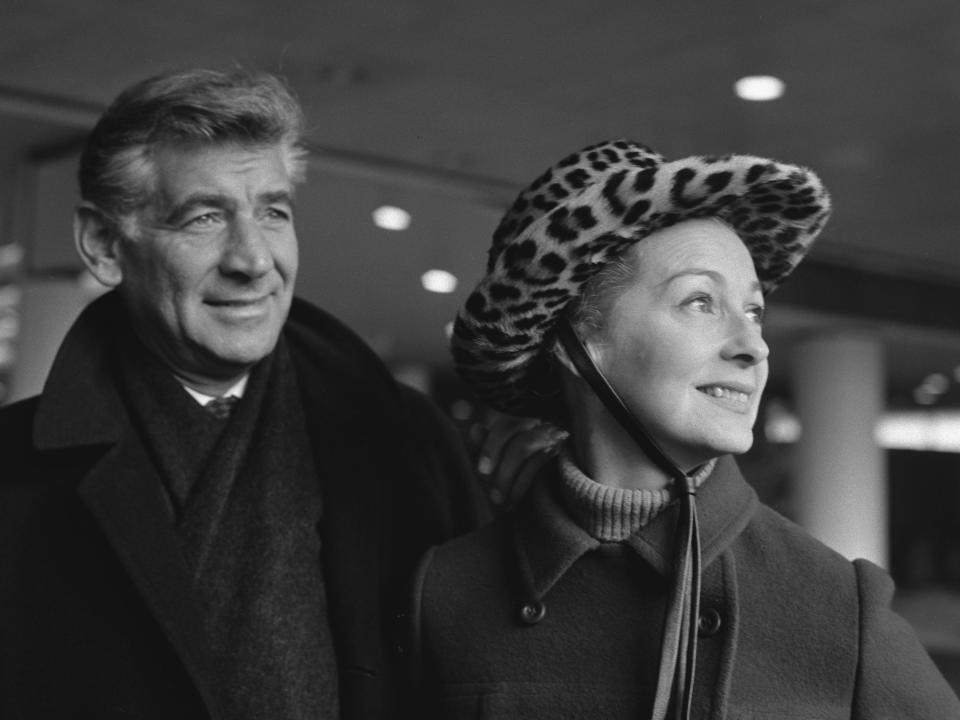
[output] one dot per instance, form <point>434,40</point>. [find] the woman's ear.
<point>590,344</point>
<point>559,353</point>
<point>97,243</point>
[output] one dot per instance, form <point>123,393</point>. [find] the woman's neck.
<point>607,453</point>
<point>611,462</point>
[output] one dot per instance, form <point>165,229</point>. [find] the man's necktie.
<point>221,407</point>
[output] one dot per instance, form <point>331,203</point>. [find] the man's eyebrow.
<point>176,213</point>
<point>276,196</point>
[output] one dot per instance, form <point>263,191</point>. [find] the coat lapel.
<point>125,495</point>
<point>352,465</point>
<point>548,541</point>
<point>725,504</point>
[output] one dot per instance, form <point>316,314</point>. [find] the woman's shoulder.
<point>777,547</point>
<point>471,555</point>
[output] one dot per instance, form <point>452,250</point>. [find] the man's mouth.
<point>236,302</point>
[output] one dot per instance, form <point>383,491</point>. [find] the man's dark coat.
<point>97,617</point>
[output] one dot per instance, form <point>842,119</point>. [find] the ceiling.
<point>447,108</point>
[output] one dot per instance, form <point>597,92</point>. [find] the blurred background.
<point>427,116</point>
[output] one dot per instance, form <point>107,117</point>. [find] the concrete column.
<point>840,489</point>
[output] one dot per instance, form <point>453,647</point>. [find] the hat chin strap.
<point>678,653</point>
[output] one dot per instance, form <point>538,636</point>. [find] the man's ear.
<point>97,243</point>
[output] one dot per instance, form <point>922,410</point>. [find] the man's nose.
<point>247,251</point>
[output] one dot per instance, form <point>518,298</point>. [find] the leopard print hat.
<point>586,210</point>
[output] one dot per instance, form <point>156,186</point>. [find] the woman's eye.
<point>703,303</point>
<point>757,313</point>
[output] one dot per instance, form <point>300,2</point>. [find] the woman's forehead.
<point>694,246</point>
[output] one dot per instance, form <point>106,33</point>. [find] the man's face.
<point>208,272</point>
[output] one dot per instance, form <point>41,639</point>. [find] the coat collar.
<point>549,542</point>
<point>80,404</point>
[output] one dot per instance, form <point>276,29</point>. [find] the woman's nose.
<point>745,342</point>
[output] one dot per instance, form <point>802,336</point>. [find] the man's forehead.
<point>229,171</point>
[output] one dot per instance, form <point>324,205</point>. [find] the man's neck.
<point>214,388</point>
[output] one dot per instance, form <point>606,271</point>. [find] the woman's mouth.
<point>732,397</point>
<point>722,391</point>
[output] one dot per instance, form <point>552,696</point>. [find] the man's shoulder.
<point>20,457</point>
<point>320,341</point>
<point>16,423</point>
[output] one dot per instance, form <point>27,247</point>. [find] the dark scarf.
<point>246,502</point>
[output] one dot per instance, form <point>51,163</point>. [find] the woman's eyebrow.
<point>707,272</point>
<point>717,277</point>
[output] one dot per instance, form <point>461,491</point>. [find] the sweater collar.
<point>612,514</point>
<point>549,541</point>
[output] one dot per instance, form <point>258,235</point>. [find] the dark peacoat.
<point>96,614</point>
<point>532,617</point>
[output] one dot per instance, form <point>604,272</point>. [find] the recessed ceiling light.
<point>439,281</point>
<point>936,384</point>
<point>759,87</point>
<point>389,217</point>
<point>10,255</point>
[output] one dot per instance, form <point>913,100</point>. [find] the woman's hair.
<point>117,173</point>
<point>587,315</point>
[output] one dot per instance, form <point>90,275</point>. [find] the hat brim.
<point>587,210</point>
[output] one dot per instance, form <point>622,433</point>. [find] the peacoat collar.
<point>548,541</point>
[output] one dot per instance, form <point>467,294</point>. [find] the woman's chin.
<point>694,456</point>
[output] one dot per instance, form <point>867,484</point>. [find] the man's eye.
<point>278,214</point>
<point>202,221</point>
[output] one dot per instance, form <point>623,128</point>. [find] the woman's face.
<point>682,344</point>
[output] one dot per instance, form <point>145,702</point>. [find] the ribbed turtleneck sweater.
<point>612,514</point>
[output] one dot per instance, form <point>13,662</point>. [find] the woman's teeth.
<point>719,391</point>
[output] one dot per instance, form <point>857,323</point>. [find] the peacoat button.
<point>709,622</point>
<point>532,612</point>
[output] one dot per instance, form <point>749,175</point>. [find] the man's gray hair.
<point>116,171</point>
